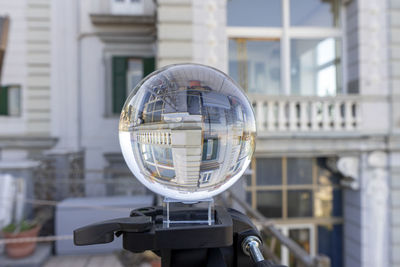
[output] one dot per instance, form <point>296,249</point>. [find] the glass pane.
<point>301,237</point>
<point>326,177</point>
<point>257,13</point>
<point>328,202</point>
<point>317,13</point>
<point>255,65</point>
<point>315,67</point>
<point>300,203</point>
<point>299,171</point>
<point>134,73</point>
<point>269,171</point>
<point>269,203</point>
<point>330,243</point>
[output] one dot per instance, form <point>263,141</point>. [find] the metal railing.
<point>266,227</point>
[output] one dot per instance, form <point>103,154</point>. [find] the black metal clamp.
<point>228,242</point>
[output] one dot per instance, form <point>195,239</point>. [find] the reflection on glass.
<point>187,131</point>
<point>315,67</point>
<point>134,73</point>
<point>328,202</point>
<point>326,177</point>
<point>255,65</point>
<point>269,203</point>
<point>269,171</point>
<point>323,201</point>
<point>301,237</point>
<point>300,203</point>
<point>299,171</point>
<point>257,13</point>
<point>317,13</point>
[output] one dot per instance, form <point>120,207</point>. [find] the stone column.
<point>192,31</point>
<point>375,199</point>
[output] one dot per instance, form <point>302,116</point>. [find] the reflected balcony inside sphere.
<point>187,131</point>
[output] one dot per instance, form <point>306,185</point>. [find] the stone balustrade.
<point>306,113</point>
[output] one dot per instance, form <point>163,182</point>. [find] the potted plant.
<point>23,229</point>
<point>15,225</point>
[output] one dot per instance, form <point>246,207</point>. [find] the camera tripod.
<point>232,241</point>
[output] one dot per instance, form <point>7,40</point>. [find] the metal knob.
<point>251,247</point>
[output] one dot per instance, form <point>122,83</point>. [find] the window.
<point>304,188</point>
<point>304,199</point>
<point>127,72</point>
<point>127,7</point>
<point>205,177</point>
<point>210,149</point>
<point>158,161</point>
<point>291,47</point>
<point>10,100</point>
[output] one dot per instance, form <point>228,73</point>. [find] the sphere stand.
<point>232,241</point>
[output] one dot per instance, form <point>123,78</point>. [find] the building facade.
<point>323,78</point>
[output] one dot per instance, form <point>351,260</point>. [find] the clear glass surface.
<point>315,67</point>
<point>178,213</point>
<point>134,73</point>
<point>269,171</point>
<point>269,203</point>
<point>299,171</point>
<point>264,13</point>
<point>187,131</point>
<point>255,65</point>
<point>300,203</point>
<point>303,238</point>
<point>316,13</point>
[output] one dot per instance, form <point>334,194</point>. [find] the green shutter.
<point>119,66</point>
<point>148,66</point>
<point>119,69</point>
<point>3,100</point>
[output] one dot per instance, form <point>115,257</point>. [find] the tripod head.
<point>228,242</point>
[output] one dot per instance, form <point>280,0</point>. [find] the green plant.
<point>24,225</point>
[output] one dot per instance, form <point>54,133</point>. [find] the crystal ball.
<point>187,132</point>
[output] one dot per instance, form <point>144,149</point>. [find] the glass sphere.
<point>187,132</point>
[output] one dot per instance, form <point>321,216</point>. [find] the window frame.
<point>286,222</point>
<point>286,33</point>
<point>9,108</point>
<point>108,54</point>
<point>253,188</point>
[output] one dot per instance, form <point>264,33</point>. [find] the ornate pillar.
<point>375,199</point>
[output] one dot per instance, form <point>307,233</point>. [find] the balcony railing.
<point>10,100</point>
<point>306,113</point>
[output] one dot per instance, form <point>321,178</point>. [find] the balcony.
<point>122,12</point>
<point>306,114</point>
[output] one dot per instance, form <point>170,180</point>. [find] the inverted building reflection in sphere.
<point>187,131</point>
